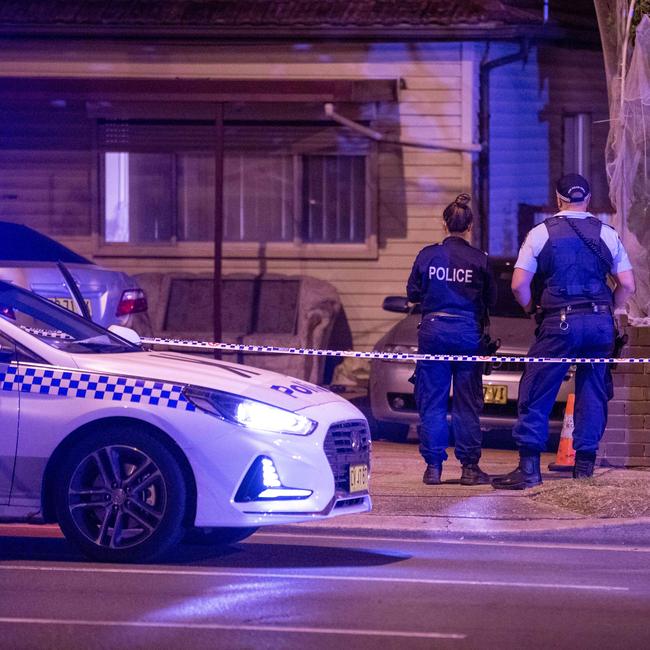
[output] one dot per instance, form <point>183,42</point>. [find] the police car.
<point>130,449</point>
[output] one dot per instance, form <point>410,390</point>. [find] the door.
<point>9,401</point>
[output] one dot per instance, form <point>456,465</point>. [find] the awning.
<point>198,90</point>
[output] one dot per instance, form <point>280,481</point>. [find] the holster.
<point>487,347</point>
<point>620,341</point>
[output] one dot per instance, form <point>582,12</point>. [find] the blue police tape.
<point>383,356</point>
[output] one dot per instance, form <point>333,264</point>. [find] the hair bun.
<point>462,200</point>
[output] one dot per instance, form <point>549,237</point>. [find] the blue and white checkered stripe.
<point>85,385</point>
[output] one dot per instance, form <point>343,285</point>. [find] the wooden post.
<point>218,224</point>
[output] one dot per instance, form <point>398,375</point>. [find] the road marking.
<point>235,628</point>
<point>463,542</point>
<point>303,576</point>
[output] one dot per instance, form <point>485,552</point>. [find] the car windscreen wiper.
<point>74,290</point>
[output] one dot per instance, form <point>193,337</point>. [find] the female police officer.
<point>452,281</point>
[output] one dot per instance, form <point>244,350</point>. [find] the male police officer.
<point>573,254</point>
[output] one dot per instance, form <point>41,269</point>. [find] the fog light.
<point>262,482</point>
<point>270,477</point>
<point>397,403</point>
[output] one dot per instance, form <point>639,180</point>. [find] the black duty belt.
<point>580,308</point>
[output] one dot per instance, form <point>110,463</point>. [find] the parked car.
<point>129,449</point>
<point>391,395</point>
<point>39,263</point>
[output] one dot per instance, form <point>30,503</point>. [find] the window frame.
<point>586,147</point>
<point>297,249</point>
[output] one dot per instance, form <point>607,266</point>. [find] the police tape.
<point>382,356</point>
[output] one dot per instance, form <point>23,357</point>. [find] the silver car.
<point>391,396</point>
<point>34,261</point>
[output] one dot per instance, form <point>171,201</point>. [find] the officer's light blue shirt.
<point>538,236</point>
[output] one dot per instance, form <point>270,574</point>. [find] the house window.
<point>576,157</point>
<point>282,185</point>
<point>158,198</point>
<point>259,197</point>
<point>306,198</point>
<point>334,199</point>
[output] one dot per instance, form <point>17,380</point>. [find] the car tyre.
<point>218,536</point>
<point>122,496</point>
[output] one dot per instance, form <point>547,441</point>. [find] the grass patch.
<point>602,496</point>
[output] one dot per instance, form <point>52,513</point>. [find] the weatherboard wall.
<point>437,101</point>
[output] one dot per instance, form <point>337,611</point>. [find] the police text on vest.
<point>450,275</point>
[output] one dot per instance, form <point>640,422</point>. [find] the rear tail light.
<point>132,301</point>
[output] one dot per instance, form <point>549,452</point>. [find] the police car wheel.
<point>122,496</point>
<point>217,536</point>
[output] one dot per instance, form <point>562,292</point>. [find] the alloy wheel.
<point>117,497</point>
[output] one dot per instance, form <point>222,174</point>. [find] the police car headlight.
<point>248,413</point>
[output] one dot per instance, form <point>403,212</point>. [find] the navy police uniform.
<point>452,282</point>
<point>575,318</point>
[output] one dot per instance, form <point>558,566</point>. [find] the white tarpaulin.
<point>628,155</point>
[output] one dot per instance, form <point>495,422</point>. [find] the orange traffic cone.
<point>566,455</point>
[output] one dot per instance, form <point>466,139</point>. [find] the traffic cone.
<point>566,455</point>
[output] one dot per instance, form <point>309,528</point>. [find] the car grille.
<point>347,443</point>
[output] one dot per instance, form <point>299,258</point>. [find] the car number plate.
<point>495,394</point>
<point>70,304</point>
<point>358,478</point>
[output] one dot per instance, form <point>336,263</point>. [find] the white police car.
<point>128,449</point>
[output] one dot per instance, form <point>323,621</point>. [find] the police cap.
<point>573,188</point>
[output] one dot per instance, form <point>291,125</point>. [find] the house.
<point>124,124</point>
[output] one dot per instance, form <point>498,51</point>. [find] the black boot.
<point>432,475</point>
<point>527,475</point>
<point>584,465</point>
<point>474,475</point>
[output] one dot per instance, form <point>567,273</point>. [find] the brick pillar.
<point>626,442</point>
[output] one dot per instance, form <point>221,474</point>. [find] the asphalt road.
<point>317,591</point>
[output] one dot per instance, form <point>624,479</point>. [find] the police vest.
<point>569,271</point>
<point>452,276</point>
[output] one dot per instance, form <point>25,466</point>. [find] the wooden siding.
<point>527,103</point>
<point>414,185</point>
<point>518,146</point>
<point>48,191</point>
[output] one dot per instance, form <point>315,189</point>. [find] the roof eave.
<point>481,32</point>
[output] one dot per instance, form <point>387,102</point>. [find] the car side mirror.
<point>126,333</point>
<point>398,304</point>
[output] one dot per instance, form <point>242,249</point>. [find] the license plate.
<point>70,304</point>
<point>358,478</point>
<point>495,394</point>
